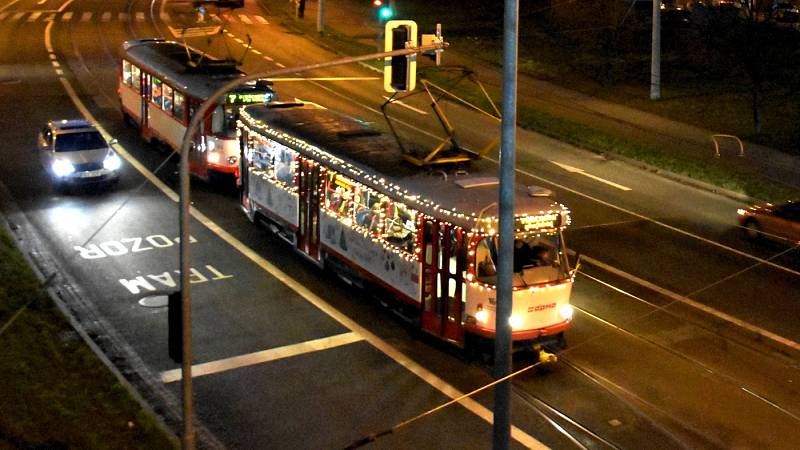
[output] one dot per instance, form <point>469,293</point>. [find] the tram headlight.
<point>566,312</point>
<point>112,162</point>
<point>213,157</point>
<point>62,167</point>
<point>515,321</point>
<point>482,315</point>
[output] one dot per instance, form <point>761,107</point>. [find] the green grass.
<point>55,393</point>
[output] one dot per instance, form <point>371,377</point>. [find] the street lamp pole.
<point>655,55</point>
<point>502,343</point>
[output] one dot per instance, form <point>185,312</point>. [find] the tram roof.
<point>375,159</point>
<point>171,60</point>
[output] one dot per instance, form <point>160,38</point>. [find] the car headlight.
<point>62,167</point>
<point>112,162</point>
<point>566,312</point>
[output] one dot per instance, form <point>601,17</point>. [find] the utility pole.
<point>655,57</point>
<point>505,269</point>
<point>321,16</point>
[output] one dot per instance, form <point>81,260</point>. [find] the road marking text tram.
<point>142,283</point>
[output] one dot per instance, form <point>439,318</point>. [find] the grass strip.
<point>56,393</point>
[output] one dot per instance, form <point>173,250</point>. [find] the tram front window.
<point>536,261</point>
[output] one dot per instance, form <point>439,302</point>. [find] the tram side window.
<point>178,106</point>
<point>286,166</point>
<point>157,94</point>
<point>484,258</point>
<point>338,194</point>
<point>401,226</point>
<point>126,73</point>
<point>136,78</point>
<point>167,98</point>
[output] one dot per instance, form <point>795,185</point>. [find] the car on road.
<point>778,222</point>
<point>75,152</point>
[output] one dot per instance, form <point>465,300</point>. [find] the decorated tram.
<point>342,194</point>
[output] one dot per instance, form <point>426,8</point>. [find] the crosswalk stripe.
<point>215,17</point>
<point>34,16</point>
<point>85,17</point>
<point>105,17</point>
<point>140,16</point>
<point>17,16</point>
<point>50,18</point>
<point>261,20</point>
<point>245,19</point>
<point>122,17</point>
<point>3,16</point>
<point>229,18</point>
<point>67,16</point>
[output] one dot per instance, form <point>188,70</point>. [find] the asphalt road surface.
<point>685,334</point>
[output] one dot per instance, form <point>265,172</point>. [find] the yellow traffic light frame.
<point>411,71</point>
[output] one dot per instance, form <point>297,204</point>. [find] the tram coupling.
<point>545,357</point>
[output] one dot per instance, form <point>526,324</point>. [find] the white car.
<point>74,152</point>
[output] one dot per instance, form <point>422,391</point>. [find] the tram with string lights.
<point>341,193</point>
<point>162,83</point>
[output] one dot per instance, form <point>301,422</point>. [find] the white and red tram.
<point>162,83</point>
<point>341,193</point>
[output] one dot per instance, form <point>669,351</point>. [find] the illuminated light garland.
<point>485,224</point>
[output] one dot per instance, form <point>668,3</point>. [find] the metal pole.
<point>655,57</point>
<point>505,269</point>
<point>188,438</point>
<point>321,17</point>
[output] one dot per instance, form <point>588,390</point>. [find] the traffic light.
<point>385,11</point>
<point>175,325</point>
<point>400,72</point>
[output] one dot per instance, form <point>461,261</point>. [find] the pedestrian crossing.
<point>108,17</point>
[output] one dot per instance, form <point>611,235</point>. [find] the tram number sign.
<point>538,222</point>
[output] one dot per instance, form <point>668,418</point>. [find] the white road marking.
<point>67,16</point>
<point>298,100</point>
<point>372,68</point>
<point>122,17</point>
<point>268,58</point>
<point>3,15</point>
<point>56,64</point>
<point>215,17</point>
<point>255,51</point>
<point>34,16</point>
<point>140,16</point>
<point>51,17</point>
<point>273,354</point>
<point>229,18</point>
<point>571,169</point>
<point>280,65</point>
<point>85,17</point>
<point>245,19</point>
<point>404,105</point>
<point>17,16</point>
<point>238,40</point>
<point>261,20</point>
<point>41,2</point>
<point>105,17</point>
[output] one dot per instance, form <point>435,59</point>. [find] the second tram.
<point>162,83</point>
<point>342,195</point>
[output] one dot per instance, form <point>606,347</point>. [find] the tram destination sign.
<point>248,97</point>
<point>537,222</point>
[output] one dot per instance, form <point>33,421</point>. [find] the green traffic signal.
<point>385,12</point>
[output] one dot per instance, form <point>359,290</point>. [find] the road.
<point>683,336</point>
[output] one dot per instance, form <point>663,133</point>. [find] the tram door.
<point>145,101</point>
<point>442,267</point>
<point>309,190</point>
